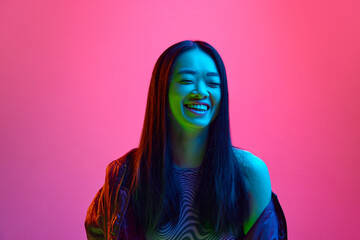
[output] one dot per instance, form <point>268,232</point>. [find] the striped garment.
<point>188,227</point>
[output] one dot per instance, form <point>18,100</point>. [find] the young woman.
<point>186,180</point>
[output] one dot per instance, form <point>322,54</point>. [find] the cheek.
<point>174,102</point>
<point>218,104</point>
<point>216,99</point>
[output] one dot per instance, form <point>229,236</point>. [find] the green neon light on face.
<point>194,78</point>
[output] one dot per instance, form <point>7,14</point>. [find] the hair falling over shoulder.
<point>155,193</point>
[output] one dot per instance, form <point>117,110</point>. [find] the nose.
<point>200,90</point>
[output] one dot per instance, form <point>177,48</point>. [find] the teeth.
<point>196,106</point>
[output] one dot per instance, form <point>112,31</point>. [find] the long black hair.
<point>221,201</point>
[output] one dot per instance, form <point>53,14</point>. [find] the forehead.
<point>195,58</point>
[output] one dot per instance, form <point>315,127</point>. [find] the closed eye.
<point>186,81</point>
<point>215,84</point>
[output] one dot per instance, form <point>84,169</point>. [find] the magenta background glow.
<point>74,81</point>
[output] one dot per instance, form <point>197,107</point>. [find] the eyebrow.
<point>184,71</point>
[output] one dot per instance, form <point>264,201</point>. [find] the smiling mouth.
<point>200,108</point>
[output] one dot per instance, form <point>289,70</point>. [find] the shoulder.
<point>257,183</point>
<point>116,169</point>
<point>254,169</point>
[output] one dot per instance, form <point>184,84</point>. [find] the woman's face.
<point>194,90</point>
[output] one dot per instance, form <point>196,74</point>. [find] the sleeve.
<point>94,222</point>
<point>271,225</point>
<point>99,214</point>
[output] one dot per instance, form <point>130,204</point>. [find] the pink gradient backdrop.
<point>74,80</point>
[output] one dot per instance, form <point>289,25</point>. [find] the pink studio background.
<point>74,80</point>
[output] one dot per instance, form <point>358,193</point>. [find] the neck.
<point>188,147</point>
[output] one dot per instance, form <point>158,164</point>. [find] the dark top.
<point>108,216</point>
